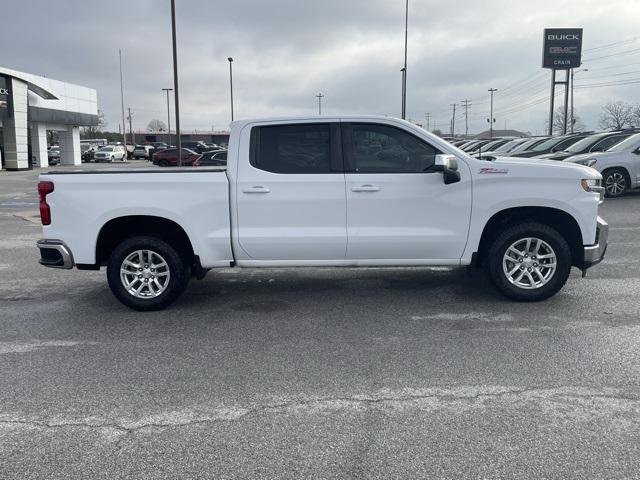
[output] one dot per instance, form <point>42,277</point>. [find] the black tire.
<point>177,282</point>
<point>506,238</point>
<point>616,182</point>
<point>163,163</point>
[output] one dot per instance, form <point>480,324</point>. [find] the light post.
<point>319,97</point>
<point>404,69</point>
<point>491,120</point>
<point>231,83</point>
<point>124,128</point>
<point>572,73</point>
<point>175,80</point>
<point>168,116</point>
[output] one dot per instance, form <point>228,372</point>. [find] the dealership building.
<point>31,105</point>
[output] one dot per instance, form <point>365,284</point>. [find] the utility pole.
<point>572,114</point>
<point>319,96</point>
<point>168,116</point>
<point>124,128</point>
<point>428,117</point>
<point>465,103</point>
<point>175,80</point>
<point>133,141</point>
<point>453,120</point>
<point>404,70</point>
<point>231,83</point>
<point>491,120</point>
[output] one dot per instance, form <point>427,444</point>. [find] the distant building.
<point>196,135</point>
<point>29,106</point>
<point>502,133</point>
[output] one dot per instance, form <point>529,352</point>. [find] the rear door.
<point>396,208</point>
<point>291,202</point>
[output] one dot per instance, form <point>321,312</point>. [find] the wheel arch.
<point>558,219</point>
<point>120,228</point>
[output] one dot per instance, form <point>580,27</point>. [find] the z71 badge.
<point>494,170</point>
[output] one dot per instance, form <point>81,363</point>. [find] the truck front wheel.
<point>529,261</point>
<point>146,273</point>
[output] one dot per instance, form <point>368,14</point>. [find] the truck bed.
<point>196,199</point>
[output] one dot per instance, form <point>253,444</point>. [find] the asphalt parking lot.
<point>329,373</point>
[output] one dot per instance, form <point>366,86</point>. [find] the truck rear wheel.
<point>146,273</point>
<point>529,262</point>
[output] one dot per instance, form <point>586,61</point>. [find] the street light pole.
<point>231,83</point>
<point>404,70</point>
<point>168,116</point>
<point>319,96</point>
<point>491,90</point>
<point>175,80</point>
<point>124,128</point>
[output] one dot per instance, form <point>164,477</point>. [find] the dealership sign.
<point>5,104</point>
<point>562,48</point>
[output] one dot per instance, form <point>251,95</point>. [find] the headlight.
<point>590,185</point>
<point>593,185</point>
<point>589,162</point>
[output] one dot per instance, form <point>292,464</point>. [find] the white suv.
<point>619,166</point>
<point>109,153</point>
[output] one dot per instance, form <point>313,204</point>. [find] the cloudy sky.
<point>286,51</point>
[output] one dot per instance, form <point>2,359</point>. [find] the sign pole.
<point>553,93</point>
<point>566,102</point>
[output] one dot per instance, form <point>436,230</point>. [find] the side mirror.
<point>448,165</point>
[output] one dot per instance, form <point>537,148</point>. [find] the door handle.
<point>366,188</point>
<point>256,189</point>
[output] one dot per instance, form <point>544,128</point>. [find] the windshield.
<point>507,147</point>
<point>106,149</point>
<point>547,144</point>
<point>527,144</point>
<point>625,144</point>
<point>584,144</point>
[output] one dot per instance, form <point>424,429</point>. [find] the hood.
<point>584,156</point>
<point>536,167</point>
<point>556,155</point>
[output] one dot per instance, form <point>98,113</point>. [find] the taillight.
<point>45,188</point>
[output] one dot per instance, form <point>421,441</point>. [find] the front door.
<point>291,200</point>
<point>396,208</point>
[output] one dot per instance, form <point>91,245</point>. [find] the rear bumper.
<point>55,254</point>
<point>593,254</point>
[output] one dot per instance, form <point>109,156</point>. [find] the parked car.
<point>109,153</point>
<point>598,142</point>
<point>215,158</point>
<point>619,166</point>
<point>552,144</point>
<point>290,198</point>
<point>87,151</point>
<point>160,145</point>
<point>490,145</point>
<point>502,150</point>
<point>53,155</point>
<point>130,148</point>
<point>169,157</point>
<point>141,151</point>
<point>198,147</point>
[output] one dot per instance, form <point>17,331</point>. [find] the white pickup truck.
<point>318,192</point>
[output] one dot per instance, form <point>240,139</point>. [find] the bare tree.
<point>616,115</point>
<point>636,116</point>
<point>157,126</point>
<point>91,130</point>
<point>558,122</point>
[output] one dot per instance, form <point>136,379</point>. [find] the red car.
<point>169,157</point>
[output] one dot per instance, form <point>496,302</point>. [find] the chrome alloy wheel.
<point>145,274</point>
<point>615,183</point>
<point>529,263</point>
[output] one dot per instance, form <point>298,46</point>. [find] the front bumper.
<point>55,254</point>
<point>593,254</point>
